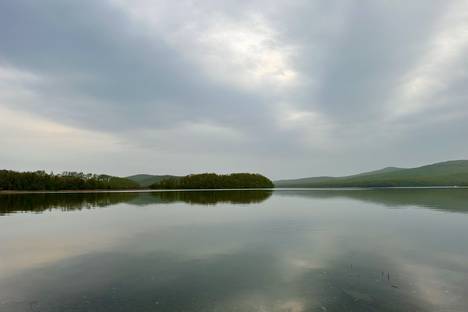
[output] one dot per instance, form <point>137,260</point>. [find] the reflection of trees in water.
<point>39,202</point>
<point>214,197</point>
<point>454,200</point>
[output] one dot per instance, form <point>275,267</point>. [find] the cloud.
<point>439,66</point>
<point>284,88</point>
<point>243,50</point>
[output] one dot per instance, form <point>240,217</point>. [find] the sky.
<point>283,88</point>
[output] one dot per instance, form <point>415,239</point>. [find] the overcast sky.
<point>283,88</point>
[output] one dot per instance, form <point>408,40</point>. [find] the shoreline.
<point>12,192</point>
<point>129,191</point>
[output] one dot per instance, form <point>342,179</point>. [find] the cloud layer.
<point>286,88</point>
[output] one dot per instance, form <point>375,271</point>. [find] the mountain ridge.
<point>447,173</point>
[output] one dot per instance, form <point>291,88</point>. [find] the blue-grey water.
<point>286,250</point>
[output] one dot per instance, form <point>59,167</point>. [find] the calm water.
<point>353,250</point>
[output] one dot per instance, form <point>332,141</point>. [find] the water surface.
<point>290,250</point>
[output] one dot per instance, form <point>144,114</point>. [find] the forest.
<point>215,181</point>
<point>42,181</point>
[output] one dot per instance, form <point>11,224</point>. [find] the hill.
<point>145,180</point>
<point>215,181</point>
<point>449,173</point>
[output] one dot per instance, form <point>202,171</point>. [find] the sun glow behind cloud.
<point>244,51</point>
<point>250,50</point>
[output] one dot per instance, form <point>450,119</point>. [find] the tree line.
<point>215,181</point>
<point>42,181</point>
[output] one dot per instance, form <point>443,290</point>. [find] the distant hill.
<point>145,180</point>
<point>449,173</point>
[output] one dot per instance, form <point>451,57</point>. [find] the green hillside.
<point>145,180</point>
<point>450,173</point>
<point>215,181</point>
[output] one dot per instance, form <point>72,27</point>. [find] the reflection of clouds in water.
<point>364,282</point>
<point>71,235</point>
<point>249,280</point>
<point>138,281</point>
<point>441,287</point>
<point>256,278</point>
<point>289,254</point>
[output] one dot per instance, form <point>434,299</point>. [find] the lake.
<point>282,250</point>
